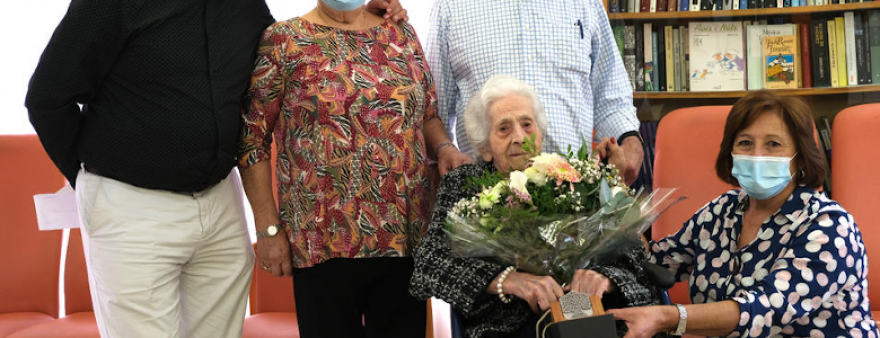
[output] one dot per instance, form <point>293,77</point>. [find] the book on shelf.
<point>852,73</point>
<point>841,52</point>
<point>780,57</point>
<point>754,47</point>
<point>629,53</point>
<point>819,53</point>
<point>660,64</point>
<point>805,47</point>
<point>640,58</point>
<point>684,5</point>
<point>648,58</point>
<point>676,58</point>
<point>874,43</point>
<point>833,53</point>
<point>685,82</point>
<point>662,5</point>
<point>695,5</point>
<point>863,52</point>
<point>655,63</point>
<point>645,6</point>
<point>670,58</point>
<point>716,57</point>
<point>672,5</point>
<point>869,69</point>
<point>633,6</point>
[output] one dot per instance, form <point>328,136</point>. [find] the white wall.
<point>26,26</point>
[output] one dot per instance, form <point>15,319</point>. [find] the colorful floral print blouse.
<point>345,110</point>
<point>804,275</point>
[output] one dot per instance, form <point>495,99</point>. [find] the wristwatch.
<point>682,321</point>
<point>270,231</point>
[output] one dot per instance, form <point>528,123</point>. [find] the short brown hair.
<point>798,119</point>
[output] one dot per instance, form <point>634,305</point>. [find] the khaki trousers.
<point>165,264</point>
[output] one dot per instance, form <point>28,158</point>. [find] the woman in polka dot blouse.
<point>776,258</point>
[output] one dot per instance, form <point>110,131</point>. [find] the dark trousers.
<point>353,298</point>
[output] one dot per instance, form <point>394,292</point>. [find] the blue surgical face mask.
<point>344,5</point>
<point>761,177</point>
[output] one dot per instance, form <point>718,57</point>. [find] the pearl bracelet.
<point>504,298</point>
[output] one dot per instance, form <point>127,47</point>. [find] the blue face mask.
<point>761,177</point>
<point>344,5</point>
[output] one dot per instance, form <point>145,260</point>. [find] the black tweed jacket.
<point>462,282</point>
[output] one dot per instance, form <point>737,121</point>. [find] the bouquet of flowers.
<point>562,213</point>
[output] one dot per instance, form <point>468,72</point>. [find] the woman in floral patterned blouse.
<point>349,102</point>
<point>777,258</point>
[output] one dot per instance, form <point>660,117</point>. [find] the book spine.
<point>719,5</point>
<point>645,6</point>
<point>695,5</point>
<point>640,59</point>
<point>673,5</point>
<point>832,53</point>
<point>614,6</point>
<point>629,53</point>
<point>655,63</point>
<point>743,4</point>
<point>819,53</point>
<point>727,4</point>
<point>874,43</point>
<point>648,58</point>
<point>769,4</point>
<point>806,58</point>
<point>676,58</point>
<point>861,63</point>
<point>852,73</point>
<point>756,4</point>
<point>707,5</point>
<point>661,60</point>
<point>662,5</point>
<point>684,5</point>
<point>841,51</point>
<point>866,47</point>
<point>685,59</point>
<point>670,58</point>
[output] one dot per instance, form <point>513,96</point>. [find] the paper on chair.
<point>57,211</point>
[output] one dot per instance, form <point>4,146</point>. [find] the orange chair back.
<point>77,297</point>
<point>269,293</point>
<point>855,181</point>
<point>30,258</point>
<point>687,145</point>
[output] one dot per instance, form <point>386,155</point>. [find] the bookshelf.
<point>740,93</point>
<point>755,12</point>
<point>826,101</point>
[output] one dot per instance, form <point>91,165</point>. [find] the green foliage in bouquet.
<point>562,213</point>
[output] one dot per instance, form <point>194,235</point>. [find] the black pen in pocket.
<point>581,26</point>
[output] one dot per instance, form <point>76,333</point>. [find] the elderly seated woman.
<point>776,258</point>
<point>497,120</point>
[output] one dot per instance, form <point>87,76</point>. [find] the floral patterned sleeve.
<point>262,102</point>
<point>825,259</point>
<point>423,76</point>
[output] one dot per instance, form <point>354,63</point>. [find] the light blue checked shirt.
<point>563,48</point>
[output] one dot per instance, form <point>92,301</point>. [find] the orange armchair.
<point>30,258</point>
<point>273,308</point>
<point>855,182</point>
<point>687,144</point>
<point>80,320</point>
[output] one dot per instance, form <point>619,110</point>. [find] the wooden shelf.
<point>741,93</point>
<point>744,12</point>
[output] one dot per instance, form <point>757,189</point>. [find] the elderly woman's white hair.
<point>476,118</point>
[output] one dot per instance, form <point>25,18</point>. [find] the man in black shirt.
<point>151,151</point>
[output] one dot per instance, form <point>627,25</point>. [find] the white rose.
<point>536,176</point>
<point>518,181</point>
